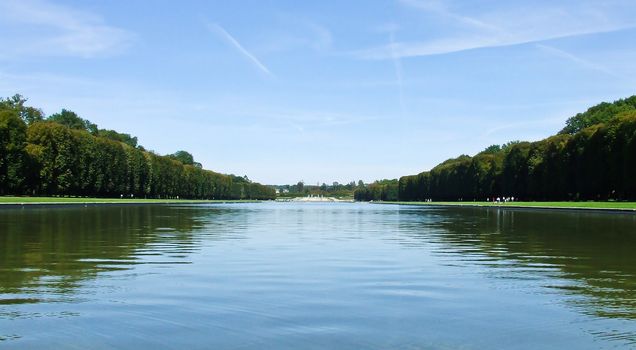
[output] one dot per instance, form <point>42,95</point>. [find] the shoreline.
<point>628,207</point>
<point>16,202</point>
<point>314,200</point>
<point>57,202</point>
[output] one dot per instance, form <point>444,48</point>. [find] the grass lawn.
<point>75,200</point>
<point>573,205</point>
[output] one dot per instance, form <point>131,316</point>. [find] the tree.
<point>184,157</point>
<point>28,114</point>
<point>115,136</point>
<point>56,156</point>
<point>12,153</point>
<point>600,113</point>
<point>68,155</point>
<point>381,190</point>
<point>71,120</point>
<point>492,149</point>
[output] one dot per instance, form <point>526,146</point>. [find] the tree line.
<point>65,155</point>
<point>301,189</point>
<point>381,190</point>
<point>592,158</point>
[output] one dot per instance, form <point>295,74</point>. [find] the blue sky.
<point>320,91</point>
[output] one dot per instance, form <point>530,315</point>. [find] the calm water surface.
<point>315,276</point>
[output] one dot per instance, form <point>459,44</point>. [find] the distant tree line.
<point>592,158</point>
<point>382,190</point>
<point>302,189</point>
<point>386,190</point>
<point>67,155</point>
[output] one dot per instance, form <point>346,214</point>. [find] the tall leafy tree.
<point>184,157</point>
<point>71,120</point>
<point>12,151</point>
<point>17,103</point>
<point>598,114</point>
<point>116,136</point>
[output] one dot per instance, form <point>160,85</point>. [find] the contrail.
<point>230,39</point>
<point>398,71</point>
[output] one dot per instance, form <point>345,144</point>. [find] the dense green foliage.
<point>16,104</point>
<point>71,120</point>
<point>336,190</point>
<point>12,154</point>
<point>383,190</point>
<point>185,158</point>
<point>67,155</point>
<point>601,113</point>
<point>115,136</point>
<point>593,159</point>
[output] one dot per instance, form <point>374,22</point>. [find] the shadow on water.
<point>587,258</point>
<point>56,250</point>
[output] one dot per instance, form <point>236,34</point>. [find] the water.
<point>315,276</point>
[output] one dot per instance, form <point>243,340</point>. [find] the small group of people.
<point>501,199</point>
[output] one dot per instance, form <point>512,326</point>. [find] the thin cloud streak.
<point>232,41</point>
<point>524,125</point>
<point>501,30</point>
<point>438,8</point>
<point>454,45</point>
<point>578,60</point>
<point>398,73</point>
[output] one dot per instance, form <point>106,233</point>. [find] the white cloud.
<point>505,27</point>
<point>41,28</point>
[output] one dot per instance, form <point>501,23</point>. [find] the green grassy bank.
<point>84,200</point>
<point>627,206</point>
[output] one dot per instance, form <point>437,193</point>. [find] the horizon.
<point>316,93</point>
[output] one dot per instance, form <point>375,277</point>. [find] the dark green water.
<point>315,276</point>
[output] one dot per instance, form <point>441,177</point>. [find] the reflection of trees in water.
<point>55,249</point>
<point>591,252</point>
